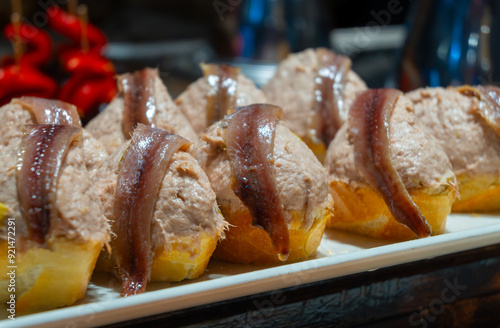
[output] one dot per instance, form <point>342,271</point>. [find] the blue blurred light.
<point>434,78</point>
<point>256,11</point>
<point>248,35</point>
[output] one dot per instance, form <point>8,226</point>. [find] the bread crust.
<point>246,243</point>
<point>480,193</point>
<point>50,277</point>
<point>362,210</point>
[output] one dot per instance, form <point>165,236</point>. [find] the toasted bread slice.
<point>49,277</point>
<point>478,194</point>
<point>362,210</point>
<point>247,243</point>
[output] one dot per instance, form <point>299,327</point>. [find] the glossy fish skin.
<point>43,150</point>
<point>223,80</point>
<point>250,143</point>
<point>140,103</point>
<point>328,95</point>
<point>370,129</point>
<point>141,173</point>
<point>50,111</point>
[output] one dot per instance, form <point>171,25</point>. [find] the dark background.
<point>153,20</point>
<point>140,22</point>
<point>177,35</point>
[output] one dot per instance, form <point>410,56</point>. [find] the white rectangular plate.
<point>339,254</point>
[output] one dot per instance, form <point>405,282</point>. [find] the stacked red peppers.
<point>91,76</point>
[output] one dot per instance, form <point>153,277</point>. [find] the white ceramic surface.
<point>339,254</point>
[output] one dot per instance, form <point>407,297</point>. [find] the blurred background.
<point>396,43</point>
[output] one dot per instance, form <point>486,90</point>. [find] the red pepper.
<point>89,63</point>
<point>88,92</point>
<point>16,81</point>
<point>64,48</point>
<point>37,43</point>
<point>92,82</point>
<point>71,27</point>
